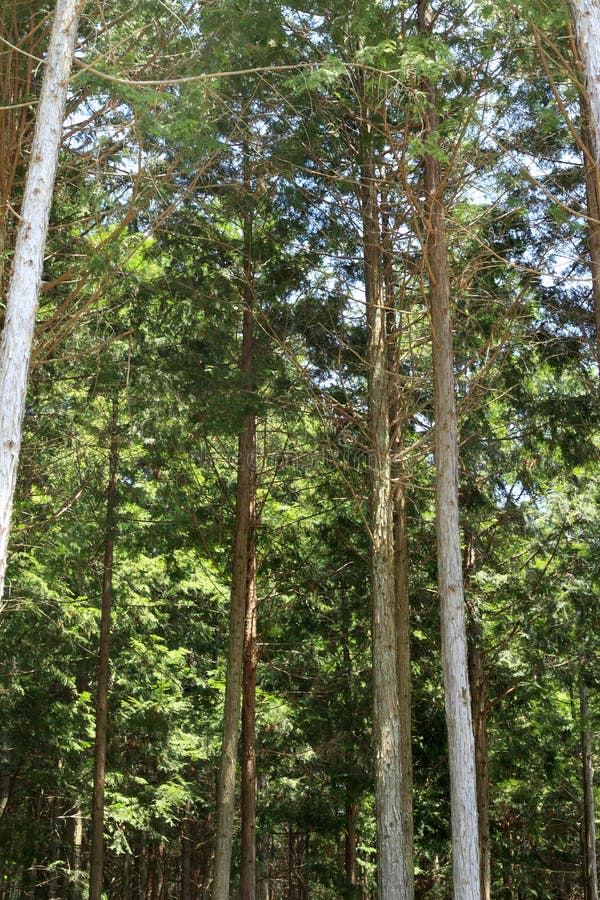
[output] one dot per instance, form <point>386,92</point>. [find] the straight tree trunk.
<point>237,616</point>
<point>393,877</point>
<point>351,812</point>
<point>263,850</point>
<point>350,843</point>
<point>477,682</point>
<point>401,560</point>
<point>17,70</point>
<point>248,878</point>
<point>25,280</point>
<point>586,16</point>
<point>589,817</point>
<point>187,847</point>
<point>72,878</point>
<point>592,191</point>
<point>97,842</point>
<point>461,749</point>
<point>404,668</point>
<point>478,709</point>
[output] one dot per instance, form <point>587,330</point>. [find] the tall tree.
<point>25,280</point>
<point>394,878</point>
<point>586,15</point>
<point>103,676</point>
<point>461,749</point>
<point>245,506</point>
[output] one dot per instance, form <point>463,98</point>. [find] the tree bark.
<point>25,280</point>
<point>248,878</point>
<point>592,193</point>
<point>589,817</point>
<point>237,616</point>
<point>477,682</point>
<point>394,879</point>
<point>586,16</point>
<point>479,713</point>
<point>263,850</point>
<point>350,844</point>
<point>187,848</point>
<point>97,841</point>
<point>401,560</point>
<point>461,749</point>
<point>73,879</point>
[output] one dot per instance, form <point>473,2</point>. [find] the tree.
<point>394,876</point>
<point>461,750</point>
<point>25,280</point>
<point>97,839</point>
<point>586,15</point>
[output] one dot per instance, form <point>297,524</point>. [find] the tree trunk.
<point>589,818</point>
<point>394,879</point>
<point>72,881</point>
<point>350,844</point>
<point>243,524</point>
<point>17,72</point>
<point>586,15</point>
<point>401,562</point>
<point>5,776</point>
<point>404,667</point>
<point>187,847</point>
<point>263,850</point>
<point>97,842</point>
<point>248,866</point>
<point>592,191</point>
<point>461,749</point>
<point>24,285</point>
<point>478,708</point>
<point>479,712</point>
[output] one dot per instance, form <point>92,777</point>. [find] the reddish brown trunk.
<point>350,846</point>
<point>478,707</point>
<point>97,841</point>
<point>590,873</point>
<point>248,866</point>
<point>401,560</point>
<point>245,509</point>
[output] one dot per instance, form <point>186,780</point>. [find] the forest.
<point>299,449</point>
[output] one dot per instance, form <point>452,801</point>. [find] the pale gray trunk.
<point>586,15</point>
<point>25,280</point>
<point>592,190</point>
<point>5,777</point>
<point>461,748</point>
<point>589,817</point>
<point>73,880</point>
<point>237,615</point>
<point>392,875</point>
